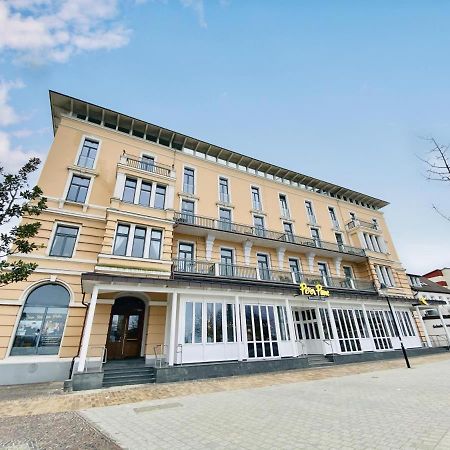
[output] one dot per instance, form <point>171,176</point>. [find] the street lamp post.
<point>397,331</point>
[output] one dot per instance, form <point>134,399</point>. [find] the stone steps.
<point>120,373</point>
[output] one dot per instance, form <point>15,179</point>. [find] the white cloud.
<point>8,115</point>
<point>12,158</point>
<point>199,8</point>
<point>40,31</point>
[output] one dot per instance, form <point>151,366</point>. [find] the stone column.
<point>209,243</point>
<point>173,328</point>
<point>87,331</point>
<point>237,321</point>
<point>247,247</point>
<point>280,254</point>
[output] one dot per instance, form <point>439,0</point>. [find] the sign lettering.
<point>316,291</point>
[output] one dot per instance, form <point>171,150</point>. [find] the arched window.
<point>42,322</point>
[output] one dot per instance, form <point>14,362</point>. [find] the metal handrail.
<point>159,357</point>
<point>353,223</point>
<point>104,356</point>
<point>304,346</point>
<point>217,269</point>
<point>264,233</point>
<point>152,167</point>
<point>330,343</point>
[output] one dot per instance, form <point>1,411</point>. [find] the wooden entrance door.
<point>125,328</point>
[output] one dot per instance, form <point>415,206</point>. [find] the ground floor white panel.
<point>225,327</point>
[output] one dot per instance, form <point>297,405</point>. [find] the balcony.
<point>146,166</point>
<point>193,224</point>
<point>357,223</point>
<point>187,267</point>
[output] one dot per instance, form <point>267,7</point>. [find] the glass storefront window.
<point>41,325</point>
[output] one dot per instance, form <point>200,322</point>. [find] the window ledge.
<point>83,170</point>
<point>187,195</point>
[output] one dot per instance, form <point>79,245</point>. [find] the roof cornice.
<point>62,104</point>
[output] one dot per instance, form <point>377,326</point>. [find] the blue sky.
<point>340,90</point>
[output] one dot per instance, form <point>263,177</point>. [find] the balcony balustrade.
<point>233,271</point>
<point>354,223</point>
<point>258,232</point>
<point>148,166</point>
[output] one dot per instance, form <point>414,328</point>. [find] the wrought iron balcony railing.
<point>221,225</point>
<point>354,223</point>
<point>148,166</point>
<point>216,269</point>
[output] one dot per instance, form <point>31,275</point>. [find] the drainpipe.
<point>81,335</point>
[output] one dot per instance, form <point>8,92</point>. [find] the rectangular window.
<point>147,163</point>
<point>316,236</point>
<point>288,231</point>
<point>333,217</point>
<point>187,210</point>
<point>284,327</point>
<point>145,193</point>
<point>226,262</point>
<point>323,270</point>
<point>129,190</point>
<point>339,241</point>
<point>310,212</point>
<point>284,206</point>
<point>121,242</point>
<point>295,269</point>
<point>78,189</point>
<point>256,199</point>
<point>155,244</point>
<point>137,249</point>
<point>231,329</point>
<point>193,323</point>
<point>88,153</point>
<point>384,275</point>
<point>263,266</point>
<point>64,241</point>
<point>160,196</point>
<point>258,222</point>
<point>188,181</point>
<point>225,219</point>
<point>224,195</point>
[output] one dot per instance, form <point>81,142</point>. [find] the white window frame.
<point>311,220</point>
<point>337,225</point>
<point>255,186</point>
<point>187,199</point>
<point>129,248</point>
<point>194,248</point>
<point>80,146</point>
<point>288,215</point>
<point>85,204</point>
<point>229,188</point>
<point>52,237</point>
<point>188,166</point>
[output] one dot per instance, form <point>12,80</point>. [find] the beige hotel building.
<point>165,257</point>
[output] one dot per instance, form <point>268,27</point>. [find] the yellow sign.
<point>316,291</point>
<point>423,300</point>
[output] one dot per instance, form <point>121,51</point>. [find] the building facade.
<point>162,246</point>
<point>434,317</point>
<point>440,276</point>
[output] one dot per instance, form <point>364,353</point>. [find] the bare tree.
<point>438,167</point>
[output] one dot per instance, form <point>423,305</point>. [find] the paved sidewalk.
<point>67,431</point>
<point>57,402</point>
<point>385,409</point>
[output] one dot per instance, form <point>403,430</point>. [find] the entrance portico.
<point>211,323</point>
